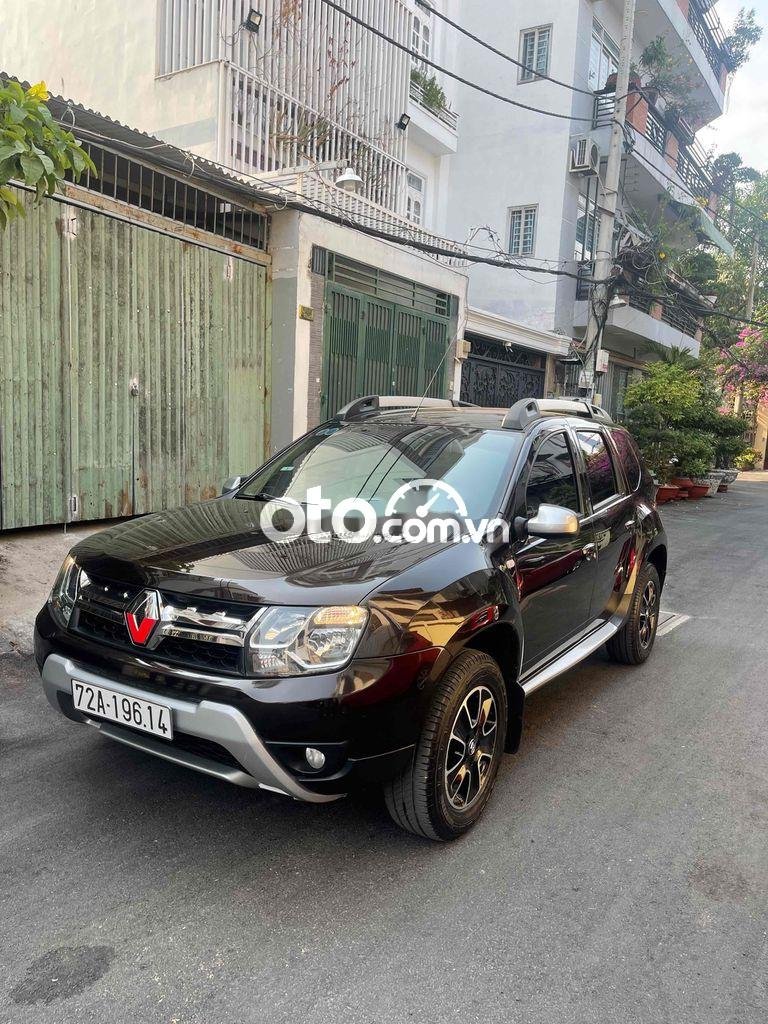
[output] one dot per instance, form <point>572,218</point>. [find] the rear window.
<point>627,451</point>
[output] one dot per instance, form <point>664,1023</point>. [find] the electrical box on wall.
<point>463,348</point>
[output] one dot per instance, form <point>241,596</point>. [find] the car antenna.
<point>431,379</point>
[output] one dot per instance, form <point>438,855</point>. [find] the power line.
<point>304,204</point>
<point>445,71</point>
<point>500,53</point>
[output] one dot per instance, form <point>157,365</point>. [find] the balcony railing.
<point>673,311</point>
<point>448,117</point>
<point>709,33</point>
<point>689,161</point>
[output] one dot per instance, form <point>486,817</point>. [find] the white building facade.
<point>291,93</point>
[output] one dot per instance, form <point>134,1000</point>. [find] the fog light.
<point>315,758</point>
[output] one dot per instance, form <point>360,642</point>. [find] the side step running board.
<point>588,645</point>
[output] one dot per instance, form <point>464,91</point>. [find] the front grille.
<point>100,612</point>
<point>190,653</point>
<point>214,657</point>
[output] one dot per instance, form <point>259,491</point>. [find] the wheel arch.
<point>657,557</point>
<point>502,643</point>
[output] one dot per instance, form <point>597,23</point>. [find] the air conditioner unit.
<point>585,156</point>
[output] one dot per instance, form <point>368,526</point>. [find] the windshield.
<point>373,460</point>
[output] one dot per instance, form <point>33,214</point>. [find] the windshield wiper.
<point>263,496</point>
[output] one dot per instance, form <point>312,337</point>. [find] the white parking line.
<point>669,621</point>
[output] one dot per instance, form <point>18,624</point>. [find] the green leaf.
<point>11,149</point>
<point>32,167</point>
<point>16,114</point>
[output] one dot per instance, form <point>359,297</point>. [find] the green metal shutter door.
<point>157,365</point>
<point>99,259</point>
<point>435,359</point>
<point>226,367</point>
<point>188,323</point>
<point>342,339</point>
<point>248,366</point>
<point>373,347</point>
<point>374,373</point>
<point>34,371</point>
<point>408,354</point>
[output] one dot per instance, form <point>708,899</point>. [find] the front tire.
<point>634,642</point>
<point>444,790</point>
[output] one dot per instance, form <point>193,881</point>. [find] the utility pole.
<point>598,298</point>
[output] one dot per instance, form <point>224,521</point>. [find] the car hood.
<point>217,549</point>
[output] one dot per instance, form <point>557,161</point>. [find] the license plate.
<point>116,707</point>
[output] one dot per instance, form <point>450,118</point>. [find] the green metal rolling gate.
<point>134,368</point>
<point>375,343</point>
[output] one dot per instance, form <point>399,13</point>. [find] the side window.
<point>600,472</point>
<point>630,463</point>
<point>552,480</point>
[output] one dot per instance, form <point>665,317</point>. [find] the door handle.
<point>589,551</point>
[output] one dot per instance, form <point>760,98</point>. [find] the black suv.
<point>312,662</point>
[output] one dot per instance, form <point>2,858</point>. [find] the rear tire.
<point>444,790</point>
<point>634,642</point>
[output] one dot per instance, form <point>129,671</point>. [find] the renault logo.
<point>143,616</point>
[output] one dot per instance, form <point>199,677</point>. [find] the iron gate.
<point>133,368</point>
<point>498,375</point>
<point>375,347</point>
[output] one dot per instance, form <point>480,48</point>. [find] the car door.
<point>554,575</point>
<point>612,518</point>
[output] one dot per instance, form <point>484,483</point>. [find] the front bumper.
<point>209,721</point>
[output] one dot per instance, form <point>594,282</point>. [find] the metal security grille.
<point>131,182</point>
<point>383,285</point>
<point>372,346</point>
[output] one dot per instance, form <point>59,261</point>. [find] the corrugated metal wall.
<point>90,304</point>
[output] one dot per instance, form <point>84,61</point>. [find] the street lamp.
<point>349,181</point>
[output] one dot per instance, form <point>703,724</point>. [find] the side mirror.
<point>232,484</point>
<point>553,521</point>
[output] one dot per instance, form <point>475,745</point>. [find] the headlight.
<point>64,593</point>
<point>294,641</point>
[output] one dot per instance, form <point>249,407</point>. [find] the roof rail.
<point>359,408</point>
<point>527,410</point>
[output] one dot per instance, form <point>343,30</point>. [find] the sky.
<point>743,128</point>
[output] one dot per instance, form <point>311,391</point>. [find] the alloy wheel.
<point>649,613</point>
<point>471,747</point>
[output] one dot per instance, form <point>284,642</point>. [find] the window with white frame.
<point>421,34</point>
<point>586,226</point>
<point>534,52</point>
<point>603,57</point>
<point>416,195</point>
<point>522,230</point>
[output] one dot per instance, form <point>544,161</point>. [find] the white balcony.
<point>433,127</point>
<point>629,326</point>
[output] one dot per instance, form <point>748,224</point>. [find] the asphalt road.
<point>620,873</point>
